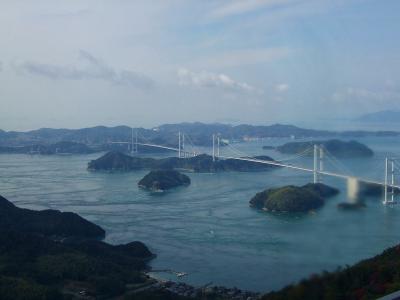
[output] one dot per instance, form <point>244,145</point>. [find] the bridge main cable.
<point>278,164</point>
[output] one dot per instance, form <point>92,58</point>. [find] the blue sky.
<point>83,63</point>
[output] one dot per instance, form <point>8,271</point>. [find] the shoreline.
<point>187,290</point>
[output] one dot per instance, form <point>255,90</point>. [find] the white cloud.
<point>282,87</point>
<point>238,7</point>
<point>212,80</point>
<point>91,68</point>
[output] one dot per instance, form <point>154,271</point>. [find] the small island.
<point>338,148</point>
<point>161,180</point>
<point>269,147</point>
<point>351,205</point>
<point>117,161</point>
<point>374,190</point>
<point>293,198</point>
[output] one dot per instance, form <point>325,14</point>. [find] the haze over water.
<point>208,229</point>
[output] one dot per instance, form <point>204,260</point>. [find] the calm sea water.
<point>208,229</point>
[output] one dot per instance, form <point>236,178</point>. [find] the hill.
<point>36,263</point>
<point>386,116</point>
<point>116,161</point>
<point>337,148</point>
<point>369,279</point>
<point>100,137</point>
<point>46,222</point>
<point>57,148</point>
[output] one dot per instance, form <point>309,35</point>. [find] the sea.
<point>208,230</point>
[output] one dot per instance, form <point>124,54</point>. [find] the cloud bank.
<point>282,87</point>
<point>91,69</point>
<point>212,80</point>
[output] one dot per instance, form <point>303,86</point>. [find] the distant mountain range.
<point>199,134</point>
<point>386,116</point>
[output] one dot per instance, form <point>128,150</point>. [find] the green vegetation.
<point>322,190</point>
<point>374,190</point>
<point>292,198</point>
<point>335,147</point>
<point>269,147</point>
<point>47,222</point>
<point>161,180</point>
<point>36,265</point>
<point>116,161</point>
<point>200,134</point>
<point>43,265</point>
<point>63,147</point>
<point>368,279</point>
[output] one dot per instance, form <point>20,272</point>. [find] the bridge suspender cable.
<point>317,170</point>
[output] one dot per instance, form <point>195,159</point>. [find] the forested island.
<point>116,161</point>
<point>110,138</point>
<point>161,180</point>
<point>374,190</point>
<point>49,149</point>
<point>293,198</point>
<point>335,147</point>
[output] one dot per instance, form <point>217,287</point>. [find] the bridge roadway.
<point>327,173</point>
<point>279,164</point>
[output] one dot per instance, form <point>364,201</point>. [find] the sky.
<point>81,63</point>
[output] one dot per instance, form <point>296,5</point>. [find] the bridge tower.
<point>134,145</point>
<point>318,163</point>
<point>213,147</point>
<point>321,162</point>
<point>389,190</point>
<point>132,140</point>
<point>179,144</point>
<point>183,145</point>
<point>137,145</point>
<point>315,163</point>
<point>218,143</point>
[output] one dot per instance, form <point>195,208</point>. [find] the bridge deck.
<point>279,164</point>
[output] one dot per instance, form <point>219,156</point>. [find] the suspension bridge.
<point>319,153</point>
